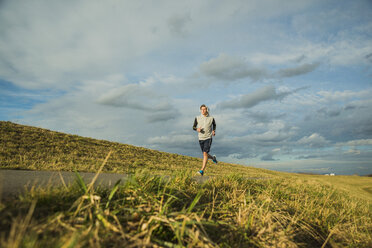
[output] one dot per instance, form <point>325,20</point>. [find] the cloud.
<point>345,117</point>
<point>369,57</point>
<point>352,152</point>
<point>299,70</point>
<point>172,139</point>
<point>177,24</point>
<point>329,113</point>
<point>263,117</point>
<point>250,100</point>
<point>227,67</point>
<point>360,142</point>
<point>247,101</point>
<point>328,96</point>
<point>135,96</point>
<point>162,116</point>
<point>308,157</point>
<point>268,157</point>
<point>274,136</point>
<point>348,49</point>
<point>230,68</point>
<point>54,44</point>
<point>314,140</point>
<point>270,154</point>
<point>175,142</point>
<point>255,142</point>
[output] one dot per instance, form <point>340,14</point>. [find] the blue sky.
<point>288,82</point>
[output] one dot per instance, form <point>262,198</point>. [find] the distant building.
<point>326,174</point>
<point>332,174</point>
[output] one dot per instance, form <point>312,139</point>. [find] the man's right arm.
<point>195,124</point>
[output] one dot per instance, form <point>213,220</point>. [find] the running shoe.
<point>201,172</point>
<point>214,159</point>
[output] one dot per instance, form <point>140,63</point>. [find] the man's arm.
<point>214,125</point>
<point>195,124</point>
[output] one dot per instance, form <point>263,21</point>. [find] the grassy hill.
<point>25,147</point>
<point>237,207</point>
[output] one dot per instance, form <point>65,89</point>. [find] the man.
<point>205,125</point>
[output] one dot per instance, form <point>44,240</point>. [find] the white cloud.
<point>64,42</point>
<point>176,142</point>
<point>167,115</point>
<point>278,131</point>
<point>53,44</point>
<point>348,49</point>
<point>247,101</point>
<point>230,68</point>
<point>226,67</point>
<point>135,96</point>
<point>314,140</point>
<point>261,95</point>
<point>360,142</point>
<point>343,95</point>
<point>352,152</point>
<point>299,70</point>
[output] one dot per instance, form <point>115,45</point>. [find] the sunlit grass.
<point>25,147</point>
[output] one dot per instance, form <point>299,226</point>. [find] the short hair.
<point>203,105</point>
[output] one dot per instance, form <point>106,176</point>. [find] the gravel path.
<point>14,182</point>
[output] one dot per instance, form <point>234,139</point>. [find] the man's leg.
<point>205,145</point>
<point>206,156</point>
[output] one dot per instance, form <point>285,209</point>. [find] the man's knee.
<point>205,154</point>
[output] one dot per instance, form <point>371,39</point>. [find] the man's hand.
<point>214,133</point>
<point>199,129</point>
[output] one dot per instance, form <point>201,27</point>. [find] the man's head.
<point>204,110</point>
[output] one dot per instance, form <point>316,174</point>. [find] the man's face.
<point>203,110</point>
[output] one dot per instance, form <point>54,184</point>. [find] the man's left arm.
<point>214,127</point>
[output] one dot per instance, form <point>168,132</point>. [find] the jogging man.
<point>205,125</point>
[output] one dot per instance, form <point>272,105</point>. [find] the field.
<point>237,207</point>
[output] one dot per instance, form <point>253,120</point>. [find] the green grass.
<point>354,185</point>
<point>231,209</point>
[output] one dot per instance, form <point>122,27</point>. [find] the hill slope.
<point>32,148</point>
<point>25,147</point>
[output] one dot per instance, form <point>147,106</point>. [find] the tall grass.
<point>150,211</point>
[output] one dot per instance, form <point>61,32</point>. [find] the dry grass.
<point>25,147</point>
<point>151,211</point>
<point>228,210</point>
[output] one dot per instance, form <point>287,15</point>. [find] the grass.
<point>355,185</point>
<point>149,211</point>
<point>231,209</point>
<point>31,148</point>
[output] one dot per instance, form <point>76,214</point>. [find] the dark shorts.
<point>205,145</point>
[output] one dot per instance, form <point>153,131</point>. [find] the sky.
<point>289,83</point>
